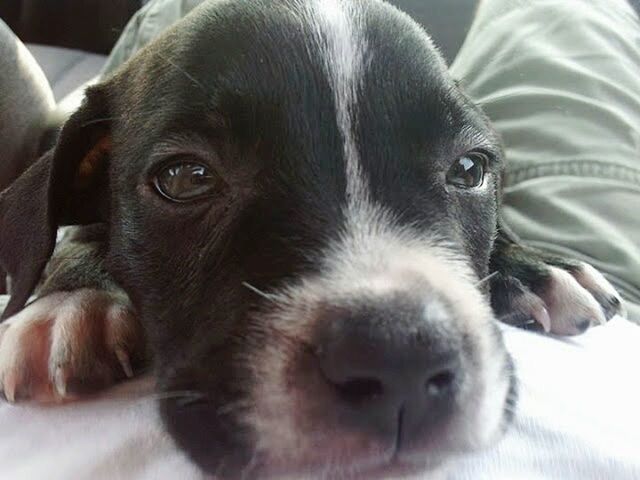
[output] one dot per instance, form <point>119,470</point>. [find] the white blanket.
<point>578,418</point>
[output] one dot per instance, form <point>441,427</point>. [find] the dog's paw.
<point>67,344</point>
<point>533,290</point>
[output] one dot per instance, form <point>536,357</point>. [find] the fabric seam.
<point>582,168</point>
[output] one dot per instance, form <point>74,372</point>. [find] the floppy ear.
<point>65,186</point>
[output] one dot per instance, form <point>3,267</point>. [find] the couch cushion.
<point>66,69</point>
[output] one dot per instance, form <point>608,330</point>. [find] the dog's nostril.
<point>376,363</point>
<point>440,383</point>
<point>358,390</point>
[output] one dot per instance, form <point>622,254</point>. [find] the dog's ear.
<point>66,186</point>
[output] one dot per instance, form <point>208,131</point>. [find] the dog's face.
<point>301,204</point>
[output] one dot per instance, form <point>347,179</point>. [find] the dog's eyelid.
<point>183,146</point>
<point>187,148</point>
<point>473,139</point>
<point>488,155</point>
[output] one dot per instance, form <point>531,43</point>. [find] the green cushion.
<point>561,81</point>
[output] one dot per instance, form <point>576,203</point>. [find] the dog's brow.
<point>181,144</point>
<point>476,138</point>
<point>183,72</point>
<point>201,143</point>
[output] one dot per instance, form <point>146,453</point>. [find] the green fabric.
<point>561,81</point>
<point>150,21</point>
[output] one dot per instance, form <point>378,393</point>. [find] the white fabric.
<point>578,416</point>
<point>577,419</point>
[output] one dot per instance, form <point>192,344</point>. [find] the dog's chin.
<point>369,469</point>
<point>215,440</point>
<point>353,466</point>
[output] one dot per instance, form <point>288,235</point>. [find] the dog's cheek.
<point>478,217</point>
<point>489,372</point>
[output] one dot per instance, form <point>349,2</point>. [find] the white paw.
<point>578,300</point>
<point>67,344</point>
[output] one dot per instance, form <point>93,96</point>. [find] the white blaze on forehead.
<point>339,37</point>
<point>373,239</point>
<point>339,32</point>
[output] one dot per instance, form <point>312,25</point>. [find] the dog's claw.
<point>3,328</point>
<point>60,382</point>
<point>125,362</point>
<point>542,316</point>
<point>10,388</point>
<point>564,297</point>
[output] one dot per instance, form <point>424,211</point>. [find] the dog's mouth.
<point>309,430</point>
<point>227,456</point>
<point>355,467</point>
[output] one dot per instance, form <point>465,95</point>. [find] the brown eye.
<point>468,170</point>
<point>186,181</point>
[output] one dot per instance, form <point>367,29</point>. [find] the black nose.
<point>391,371</point>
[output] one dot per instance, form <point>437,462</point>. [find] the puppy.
<point>291,209</point>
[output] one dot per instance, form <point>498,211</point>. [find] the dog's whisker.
<point>250,466</point>
<point>112,118</point>
<point>184,72</point>
<point>487,278</point>
<point>232,407</point>
<point>71,257</point>
<point>257,291</point>
<point>177,394</point>
<point>187,396</point>
<point>143,370</point>
<point>511,315</point>
<point>99,120</point>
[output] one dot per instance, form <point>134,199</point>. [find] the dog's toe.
<point>599,287</point>
<point>517,305</point>
<point>534,290</point>
<point>571,307</point>
<point>23,350</point>
<point>68,344</point>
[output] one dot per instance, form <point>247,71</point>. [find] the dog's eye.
<point>468,170</point>
<point>186,181</point>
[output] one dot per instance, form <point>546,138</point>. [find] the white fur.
<point>594,282</point>
<point>592,279</point>
<point>390,260</point>
<point>569,302</point>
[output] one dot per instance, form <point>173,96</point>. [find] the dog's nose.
<point>391,371</point>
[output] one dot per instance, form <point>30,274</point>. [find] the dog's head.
<point>301,204</point>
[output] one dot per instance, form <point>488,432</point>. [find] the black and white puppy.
<point>291,208</point>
